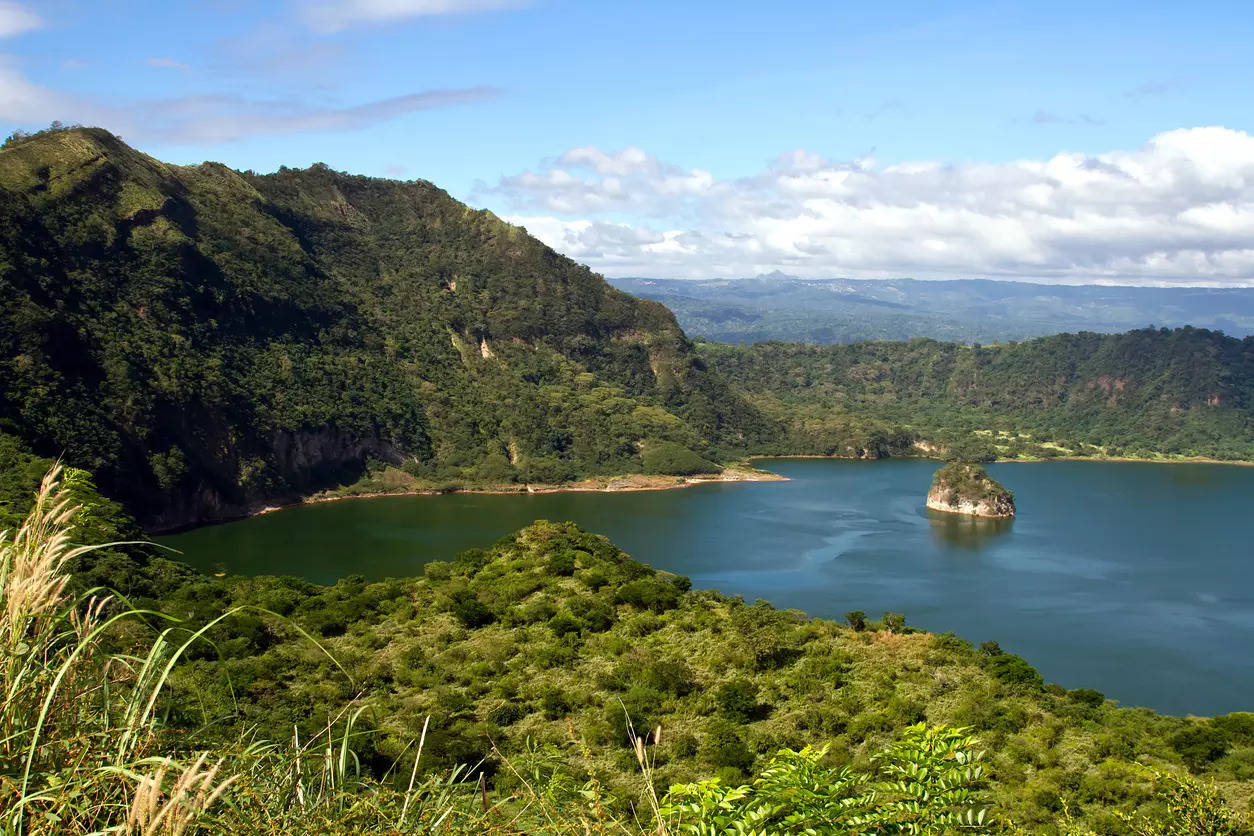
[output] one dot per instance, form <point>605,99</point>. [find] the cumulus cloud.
<point>22,100</point>
<point>211,118</point>
<point>16,19</point>
<point>626,180</point>
<point>1180,209</point>
<point>334,15</point>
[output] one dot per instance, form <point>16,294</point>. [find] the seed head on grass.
<point>155,811</point>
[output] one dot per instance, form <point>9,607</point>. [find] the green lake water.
<point>1131,578</point>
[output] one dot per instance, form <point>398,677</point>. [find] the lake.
<point>1131,578</point>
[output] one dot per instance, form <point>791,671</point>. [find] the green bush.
<point>648,594</point>
<point>1201,744</point>
<point>737,700</point>
<point>565,624</point>
<point>667,458</point>
<point>724,747</point>
<point>1014,670</point>
<point>469,610</point>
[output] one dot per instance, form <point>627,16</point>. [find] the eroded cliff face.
<point>948,500</point>
<point>303,461</point>
<point>965,488</point>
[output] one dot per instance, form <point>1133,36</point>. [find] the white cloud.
<point>334,15</point>
<point>1178,210</point>
<point>16,19</point>
<point>23,101</point>
<point>627,180</point>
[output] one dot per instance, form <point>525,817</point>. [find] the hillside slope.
<point>205,340</point>
<point>523,661</point>
<point>1185,391</point>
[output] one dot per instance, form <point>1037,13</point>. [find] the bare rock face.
<point>966,488</point>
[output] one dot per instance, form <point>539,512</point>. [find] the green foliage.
<point>1191,809</point>
<point>738,699</point>
<point>728,683</point>
<point>894,622</point>
<point>1150,392</point>
<point>502,653</point>
<point>671,459</point>
<point>1201,744</point>
<point>964,481</point>
<point>469,610</point>
<point>204,340</point>
<point>927,782</point>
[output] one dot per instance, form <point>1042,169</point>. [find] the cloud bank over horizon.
<point>1177,211</point>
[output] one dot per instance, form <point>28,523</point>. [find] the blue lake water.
<point>1131,578</point>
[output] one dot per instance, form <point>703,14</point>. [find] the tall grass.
<point>82,748</point>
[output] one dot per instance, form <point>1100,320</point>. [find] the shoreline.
<point>640,482</point>
<point>629,483</point>
<point>1105,459</point>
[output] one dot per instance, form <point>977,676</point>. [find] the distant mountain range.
<point>781,307</point>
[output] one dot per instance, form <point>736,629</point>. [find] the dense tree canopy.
<point>1185,391</point>
<point>203,339</point>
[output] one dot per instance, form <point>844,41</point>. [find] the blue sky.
<point>485,97</point>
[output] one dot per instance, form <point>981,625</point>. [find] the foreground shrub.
<point>928,782</point>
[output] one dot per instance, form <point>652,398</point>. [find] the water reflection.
<point>966,531</point>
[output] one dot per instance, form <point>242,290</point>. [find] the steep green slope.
<point>1185,391</point>
<point>205,340</point>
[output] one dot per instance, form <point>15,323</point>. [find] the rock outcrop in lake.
<point>966,488</point>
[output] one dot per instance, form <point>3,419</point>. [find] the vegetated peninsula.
<point>966,488</point>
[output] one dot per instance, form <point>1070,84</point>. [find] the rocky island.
<point>966,488</point>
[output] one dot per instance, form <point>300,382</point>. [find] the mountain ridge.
<point>207,340</point>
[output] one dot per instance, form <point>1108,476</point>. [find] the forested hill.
<point>204,340</point>
<point>1184,391</point>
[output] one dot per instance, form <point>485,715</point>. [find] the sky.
<point>1096,142</point>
